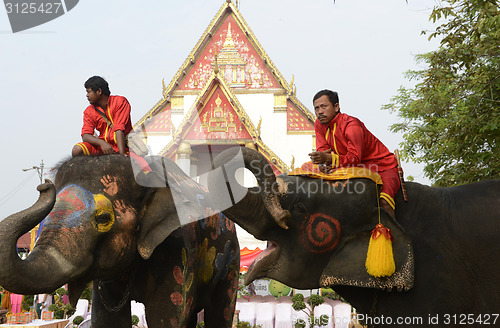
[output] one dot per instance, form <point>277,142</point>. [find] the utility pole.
<point>39,169</point>
<point>34,231</point>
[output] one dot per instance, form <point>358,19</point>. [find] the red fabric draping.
<point>247,256</point>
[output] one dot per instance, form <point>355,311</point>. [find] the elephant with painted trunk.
<point>446,242</point>
<point>123,231</point>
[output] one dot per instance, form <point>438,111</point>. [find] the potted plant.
<point>77,320</point>
<point>313,301</point>
<point>135,321</point>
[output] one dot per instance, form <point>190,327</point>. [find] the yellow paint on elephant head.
<point>104,216</point>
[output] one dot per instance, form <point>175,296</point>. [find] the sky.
<point>360,48</point>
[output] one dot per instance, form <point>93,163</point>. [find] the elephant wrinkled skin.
<point>102,225</point>
<point>446,242</point>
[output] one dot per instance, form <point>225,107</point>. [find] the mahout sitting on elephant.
<point>123,231</point>
<point>446,242</point>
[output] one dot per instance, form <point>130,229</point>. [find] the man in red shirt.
<point>343,140</point>
<point>112,134</point>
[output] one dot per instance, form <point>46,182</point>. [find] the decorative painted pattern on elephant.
<point>321,233</point>
<point>72,203</point>
<point>218,222</point>
<point>207,261</point>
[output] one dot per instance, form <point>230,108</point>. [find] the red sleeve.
<point>321,143</point>
<point>354,135</point>
<point>120,113</point>
<point>89,123</point>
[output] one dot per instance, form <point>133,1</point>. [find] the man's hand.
<point>321,157</point>
<point>327,169</point>
<point>96,142</point>
<point>106,148</point>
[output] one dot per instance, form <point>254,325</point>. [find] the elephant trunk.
<point>35,274</point>
<point>251,208</point>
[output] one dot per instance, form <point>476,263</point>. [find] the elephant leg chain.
<point>125,295</point>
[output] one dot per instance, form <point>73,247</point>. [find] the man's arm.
<point>354,135</point>
<point>105,147</point>
<point>120,141</point>
<point>121,118</point>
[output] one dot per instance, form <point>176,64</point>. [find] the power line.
<point>10,194</point>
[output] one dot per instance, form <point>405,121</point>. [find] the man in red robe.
<point>343,140</point>
<point>109,115</point>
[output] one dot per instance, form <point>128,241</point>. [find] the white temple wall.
<point>157,142</point>
<point>274,129</point>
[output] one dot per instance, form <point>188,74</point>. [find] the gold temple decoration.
<point>292,165</point>
<point>177,104</point>
<point>232,66</point>
<point>216,65</point>
<point>293,89</point>
<point>184,149</point>
<point>280,102</point>
<point>251,145</point>
<point>259,126</point>
<point>220,120</point>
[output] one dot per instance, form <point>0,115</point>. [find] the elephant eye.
<point>103,218</point>
<point>104,214</point>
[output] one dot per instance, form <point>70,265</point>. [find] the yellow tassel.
<point>380,259</point>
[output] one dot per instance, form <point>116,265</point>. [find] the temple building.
<point>228,93</point>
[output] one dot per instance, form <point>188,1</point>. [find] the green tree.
<point>451,118</point>
<point>314,300</point>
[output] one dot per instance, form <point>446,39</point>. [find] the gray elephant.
<point>446,243</point>
<point>105,223</point>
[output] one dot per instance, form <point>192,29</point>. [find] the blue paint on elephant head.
<point>73,203</point>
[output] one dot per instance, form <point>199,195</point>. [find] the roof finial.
<point>228,1</point>
<point>216,66</point>
<point>292,92</point>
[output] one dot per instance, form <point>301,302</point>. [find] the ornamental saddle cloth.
<point>341,173</point>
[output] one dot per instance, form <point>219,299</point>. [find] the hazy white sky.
<point>360,48</point>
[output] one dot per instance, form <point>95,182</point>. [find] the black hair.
<point>95,83</point>
<point>332,95</point>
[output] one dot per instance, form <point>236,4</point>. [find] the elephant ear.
<point>173,200</point>
<point>347,265</point>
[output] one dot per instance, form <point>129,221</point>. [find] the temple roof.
<point>218,118</point>
<point>229,36</point>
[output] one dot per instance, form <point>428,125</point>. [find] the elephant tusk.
<point>283,219</point>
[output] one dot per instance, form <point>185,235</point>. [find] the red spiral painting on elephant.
<point>321,233</point>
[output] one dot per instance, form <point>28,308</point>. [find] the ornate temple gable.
<point>242,48</point>
<point>297,121</point>
<point>239,62</point>
<point>160,123</point>
<point>218,118</point>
